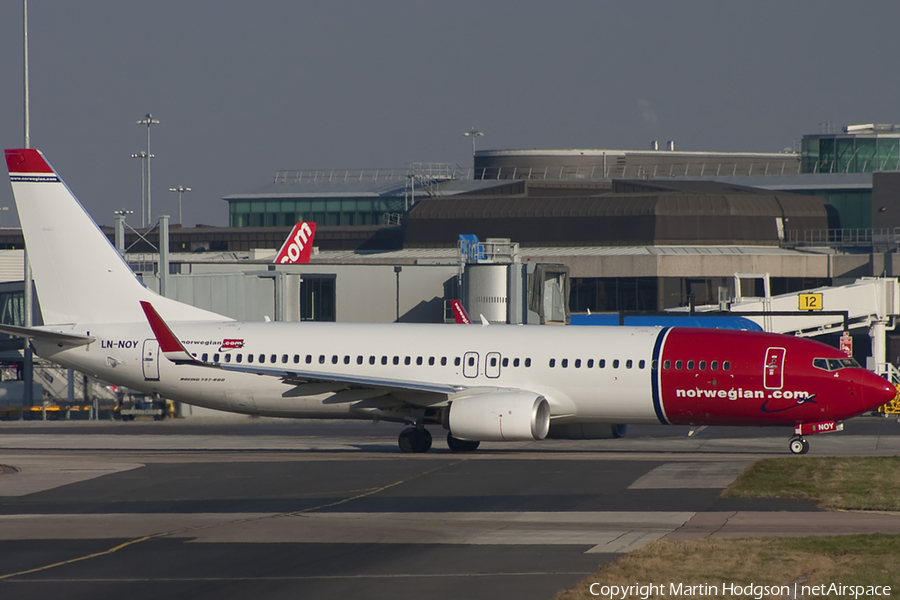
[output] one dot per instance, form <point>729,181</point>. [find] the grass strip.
<point>852,560</point>
<point>856,483</point>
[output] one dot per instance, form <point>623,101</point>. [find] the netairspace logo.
<point>735,590</point>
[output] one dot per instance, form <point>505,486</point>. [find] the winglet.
<point>170,345</point>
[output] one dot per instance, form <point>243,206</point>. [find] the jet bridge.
<point>870,302</point>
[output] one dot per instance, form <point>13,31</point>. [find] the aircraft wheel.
<point>799,446</point>
<point>414,440</point>
<point>457,445</point>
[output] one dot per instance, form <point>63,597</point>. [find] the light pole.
<point>148,120</point>
<point>144,157</point>
<point>181,190</point>
<point>473,133</point>
<point>120,228</point>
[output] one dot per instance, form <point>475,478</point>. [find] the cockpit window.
<point>835,364</point>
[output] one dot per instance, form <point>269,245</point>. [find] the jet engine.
<point>498,417</point>
<point>586,431</point>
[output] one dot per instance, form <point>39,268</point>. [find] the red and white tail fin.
<point>298,245</point>
<point>80,277</point>
<point>459,313</point>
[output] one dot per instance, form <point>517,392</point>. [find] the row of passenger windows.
<point>699,365</point>
<point>577,363</point>
<point>601,364</point>
<point>384,360</point>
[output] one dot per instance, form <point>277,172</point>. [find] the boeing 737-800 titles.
<point>497,382</point>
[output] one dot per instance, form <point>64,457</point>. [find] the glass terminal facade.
<point>850,152</point>
<point>336,211</point>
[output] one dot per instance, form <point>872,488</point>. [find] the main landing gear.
<point>799,445</point>
<point>415,440</point>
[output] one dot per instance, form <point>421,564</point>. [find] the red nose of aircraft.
<point>876,391</point>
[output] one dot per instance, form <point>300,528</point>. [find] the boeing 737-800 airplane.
<point>497,382</point>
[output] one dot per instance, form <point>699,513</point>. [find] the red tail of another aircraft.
<point>298,245</point>
<point>459,313</point>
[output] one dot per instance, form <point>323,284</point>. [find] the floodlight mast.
<point>473,133</point>
<point>148,120</point>
<point>181,190</point>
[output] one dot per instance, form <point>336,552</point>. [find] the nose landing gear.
<point>799,445</point>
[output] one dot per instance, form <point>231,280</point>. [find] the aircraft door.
<point>773,370</point>
<point>492,365</point>
<point>470,364</point>
<point>150,360</point>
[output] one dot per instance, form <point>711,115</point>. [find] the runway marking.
<point>197,528</point>
<point>691,475</point>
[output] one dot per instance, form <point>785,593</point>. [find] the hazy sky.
<point>245,88</point>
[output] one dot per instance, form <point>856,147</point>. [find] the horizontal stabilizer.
<point>64,339</point>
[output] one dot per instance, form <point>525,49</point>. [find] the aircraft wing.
<point>174,350</point>
<point>64,339</point>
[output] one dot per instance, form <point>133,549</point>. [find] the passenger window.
<point>321,359</point>
<point>309,359</point>
<point>215,358</point>
<point>493,361</point>
<point>262,358</point>
<point>284,358</point>
<point>641,364</point>
<point>667,364</point>
<point>240,357</point>
<point>505,362</point>
<point>396,360</point>
<point>714,365</point>
<point>334,359</point>
<point>273,359</point>
<point>601,363</point>
<point>249,358</point>
<point>443,361</point>
<point>227,358</point>
<point>457,361</point>
<point>690,365</point>
<point>515,362</point>
<point>616,363</point>
<point>430,361</point>
<point>527,362</point>
<point>371,360</point>
<point>590,363</point>
<point>702,365</point>
<point>384,360</point>
<point>471,361</point>
<point>406,361</point>
<point>419,360</point>
<point>577,363</point>
<point>205,357</point>
<point>629,363</point>
<point>346,359</point>
<point>726,366</point>
<point>678,365</point>
<point>565,363</point>
<point>359,360</point>
<point>552,362</point>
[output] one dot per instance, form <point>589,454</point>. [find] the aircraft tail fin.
<point>79,276</point>
<point>459,313</point>
<point>297,248</point>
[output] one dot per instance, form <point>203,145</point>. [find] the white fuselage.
<point>492,357</point>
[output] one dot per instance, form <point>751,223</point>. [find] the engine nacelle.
<point>586,431</point>
<point>498,417</point>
